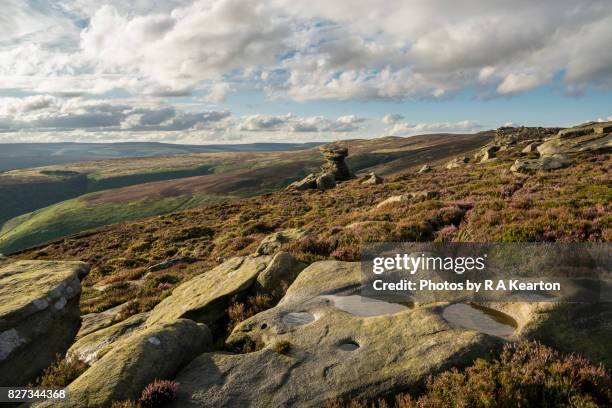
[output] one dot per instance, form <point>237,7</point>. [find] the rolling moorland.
<point>24,155</point>
<point>45,203</point>
<point>240,302</point>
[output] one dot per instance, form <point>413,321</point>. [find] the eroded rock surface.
<point>330,352</point>
<point>93,346</point>
<point>39,315</point>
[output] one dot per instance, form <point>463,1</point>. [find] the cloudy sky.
<point>229,71</point>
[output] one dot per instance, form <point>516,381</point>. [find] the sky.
<point>241,71</point>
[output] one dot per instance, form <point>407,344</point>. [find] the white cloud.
<point>409,129</point>
<point>47,112</point>
<point>392,118</point>
<point>345,49</point>
<point>295,124</point>
<point>156,50</point>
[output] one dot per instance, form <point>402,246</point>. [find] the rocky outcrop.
<point>157,352</point>
<point>329,352</point>
<point>371,178</point>
<point>335,164</point>
<point>205,297</point>
<point>553,162</point>
<point>589,137</point>
<point>509,135</point>
<point>39,315</point>
<point>335,169</point>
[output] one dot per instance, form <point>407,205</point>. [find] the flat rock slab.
<point>93,346</point>
<point>205,297</point>
<point>157,352</point>
<point>331,353</point>
<point>92,322</point>
<point>39,315</point>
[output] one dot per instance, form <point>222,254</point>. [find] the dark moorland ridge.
<point>232,300</point>
<point>25,155</point>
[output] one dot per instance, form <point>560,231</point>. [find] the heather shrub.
<point>525,375</point>
<point>158,393</point>
<point>125,404</point>
<point>240,311</point>
<point>282,347</point>
<point>61,373</point>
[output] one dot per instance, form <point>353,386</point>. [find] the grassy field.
<point>227,175</point>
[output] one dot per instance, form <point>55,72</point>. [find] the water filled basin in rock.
<point>364,306</point>
<point>298,318</point>
<point>348,346</point>
<point>480,319</point>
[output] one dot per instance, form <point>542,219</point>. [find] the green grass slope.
<point>72,216</point>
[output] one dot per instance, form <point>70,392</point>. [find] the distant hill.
<point>26,155</point>
<point>146,187</point>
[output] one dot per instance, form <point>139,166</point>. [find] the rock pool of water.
<point>481,319</point>
<point>364,306</point>
<point>298,318</point>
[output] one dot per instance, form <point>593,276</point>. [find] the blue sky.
<point>235,71</point>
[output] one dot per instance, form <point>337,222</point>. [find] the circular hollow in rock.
<point>349,345</point>
<point>298,318</point>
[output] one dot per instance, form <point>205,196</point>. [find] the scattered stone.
<point>425,169</point>
<point>486,153</point>
<point>457,162</point>
<point>274,242</point>
<point>372,178</point>
<point>417,195</point>
<point>157,352</point>
<point>307,183</point>
<point>326,181</point>
<point>282,270</point>
<point>531,148</point>
<point>553,162</point>
<point>39,315</point>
